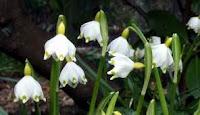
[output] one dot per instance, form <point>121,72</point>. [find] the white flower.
<point>59,47</point>
<point>91,32</point>
<point>139,53</point>
<point>122,66</point>
<point>162,55</point>
<point>72,74</point>
<point>194,23</point>
<point>155,40</point>
<point>120,45</point>
<point>28,88</point>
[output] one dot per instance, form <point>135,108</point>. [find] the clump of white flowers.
<point>61,48</point>
<point>91,32</point>
<point>72,74</point>
<point>28,87</point>
<point>194,24</point>
<point>162,55</point>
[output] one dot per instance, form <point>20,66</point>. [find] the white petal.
<point>194,23</point>
<point>162,56</point>
<point>139,53</point>
<point>91,31</point>
<point>37,91</point>
<point>119,45</point>
<point>59,47</point>
<point>155,40</point>
<point>27,87</point>
<point>72,74</point>
<point>122,66</point>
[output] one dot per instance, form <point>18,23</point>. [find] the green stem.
<point>23,109</point>
<point>172,97</point>
<point>96,86</point>
<point>54,82</point>
<point>134,28</point>
<point>37,109</point>
<point>148,68</point>
<point>140,103</point>
<point>161,92</point>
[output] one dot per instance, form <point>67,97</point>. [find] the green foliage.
<point>176,50</point>
<point>151,108</point>
<point>2,111</point>
<point>126,111</point>
<point>9,64</point>
<point>165,24</point>
<point>108,102</point>
<point>195,6</point>
<point>192,77</point>
<point>197,112</point>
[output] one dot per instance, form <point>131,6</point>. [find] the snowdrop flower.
<point>155,40</point>
<point>91,32</point>
<point>122,66</point>
<point>120,45</point>
<point>59,47</point>
<point>139,53</point>
<point>72,74</point>
<point>28,88</point>
<point>162,55</point>
<point>194,23</point>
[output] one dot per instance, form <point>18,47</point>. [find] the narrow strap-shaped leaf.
<point>151,108</point>
<point>103,103</point>
<point>112,103</point>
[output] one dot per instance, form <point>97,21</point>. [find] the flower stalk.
<point>54,82</point>
<point>160,92</point>
<point>176,50</point>
<point>148,65</point>
<point>101,17</point>
<point>55,71</point>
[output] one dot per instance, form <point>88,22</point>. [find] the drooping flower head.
<point>91,32</point>
<point>194,24</point>
<point>162,55</point>
<point>72,74</point>
<point>120,45</point>
<point>60,48</point>
<point>122,66</point>
<point>28,87</point>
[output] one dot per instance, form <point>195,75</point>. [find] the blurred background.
<point>25,25</point>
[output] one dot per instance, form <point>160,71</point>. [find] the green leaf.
<point>151,108</point>
<point>2,111</point>
<point>126,111</point>
<point>193,77</point>
<point>103,103</point>
<point>197,112</point>
<point>165,24</point>
<point>112,103</point>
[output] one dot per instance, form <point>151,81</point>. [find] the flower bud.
<point>168,41</point>
<point>27,69</point>
<point>125,33</point>
<point>60,29</point>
